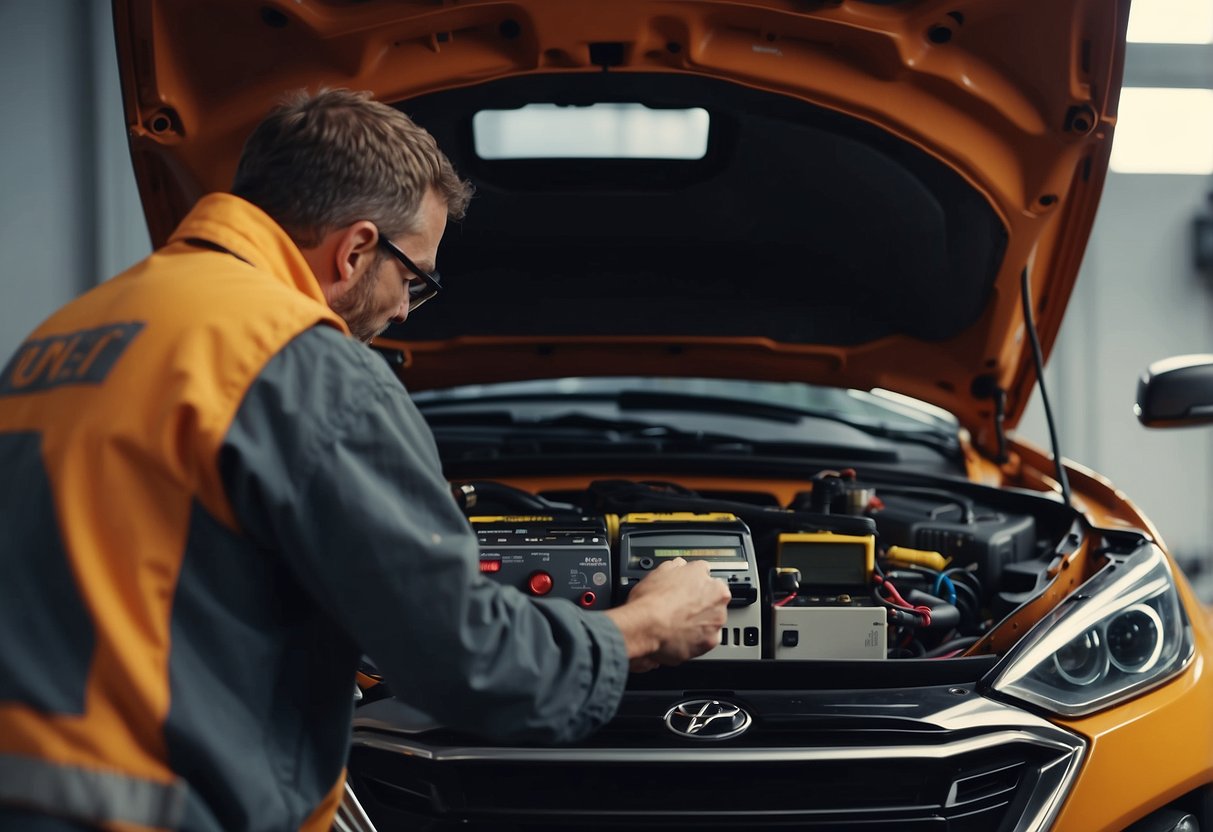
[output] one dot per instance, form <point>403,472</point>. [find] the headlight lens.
<point>1120,633</point>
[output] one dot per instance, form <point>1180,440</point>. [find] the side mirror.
<point>1176,392</point>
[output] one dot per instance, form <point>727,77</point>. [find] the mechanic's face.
<point>380,294</point>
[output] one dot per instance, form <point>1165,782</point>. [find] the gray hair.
<point>318,163</point>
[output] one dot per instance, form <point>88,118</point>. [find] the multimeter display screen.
<point>696,554</point>
<point>692,546</point>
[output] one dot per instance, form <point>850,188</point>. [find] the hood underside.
<point>877,176</point>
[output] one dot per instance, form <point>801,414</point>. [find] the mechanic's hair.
<point>318,163</point>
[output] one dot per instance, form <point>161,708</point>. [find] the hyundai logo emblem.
<point>707,719</point>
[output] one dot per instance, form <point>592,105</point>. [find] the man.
<point>215,500</point>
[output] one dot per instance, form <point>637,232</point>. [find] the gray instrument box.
<point>830,631</point>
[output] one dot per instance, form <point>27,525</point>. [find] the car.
<point>766,283</point>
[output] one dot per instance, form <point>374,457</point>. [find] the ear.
<point>354,252</point>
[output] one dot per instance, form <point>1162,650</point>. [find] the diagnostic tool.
<point>822,607</point>
<point>646,540</point>
<point>545,557</point>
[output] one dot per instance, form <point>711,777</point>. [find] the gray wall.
<point>69,212</point>
<point>70,216</point>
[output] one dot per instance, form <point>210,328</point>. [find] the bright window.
<point>598,131</point>
<point>1171,21</point>
<point>1164,131</point>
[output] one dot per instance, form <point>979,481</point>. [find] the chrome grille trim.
<point>415,748</point>
<point>350,815</point>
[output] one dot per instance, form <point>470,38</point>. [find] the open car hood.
<point>878,176</point>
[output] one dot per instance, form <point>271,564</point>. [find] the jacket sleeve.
<point>330,466</point>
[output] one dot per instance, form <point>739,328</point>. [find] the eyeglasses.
<point>421,290</point>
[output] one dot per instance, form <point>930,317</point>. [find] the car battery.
<point>828,612</point>
<point>647,540</point>
<point>548,558</point>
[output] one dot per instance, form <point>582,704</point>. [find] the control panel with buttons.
<point>545,557</point>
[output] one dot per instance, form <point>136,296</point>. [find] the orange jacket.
<point>113,412</point>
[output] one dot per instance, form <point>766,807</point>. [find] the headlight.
<point>1120,633</point>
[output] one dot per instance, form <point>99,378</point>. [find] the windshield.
<point>875,406</point>
<point>633,419</point>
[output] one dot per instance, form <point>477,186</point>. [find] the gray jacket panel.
<point>329,465</point>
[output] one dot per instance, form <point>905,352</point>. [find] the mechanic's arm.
<point>329,465</point>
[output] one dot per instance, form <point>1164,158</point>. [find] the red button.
<point>540,583</point>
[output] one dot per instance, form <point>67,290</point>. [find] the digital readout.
<point>731,554</point>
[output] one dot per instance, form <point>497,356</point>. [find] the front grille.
<point>941,759</point>
<point>972,792</point>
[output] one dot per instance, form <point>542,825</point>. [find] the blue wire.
<point>943,580</point>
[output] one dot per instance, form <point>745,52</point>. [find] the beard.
<point>357,306</point>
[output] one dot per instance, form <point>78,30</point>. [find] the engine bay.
<point>846,567</point>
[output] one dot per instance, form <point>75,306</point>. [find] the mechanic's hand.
<point>674,614</point>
